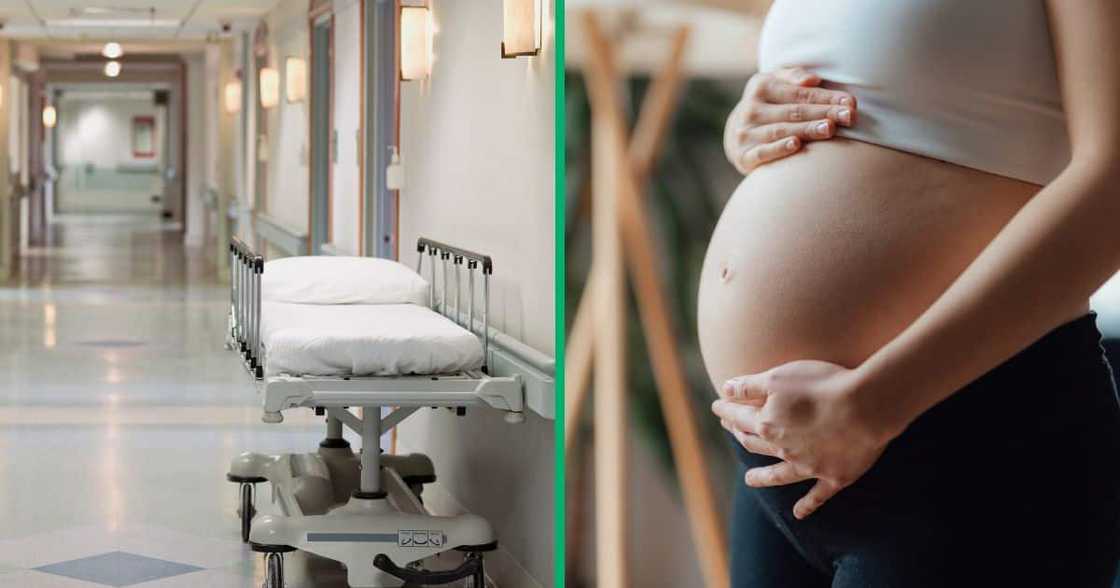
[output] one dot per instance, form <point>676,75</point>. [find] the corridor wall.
<point>477,139</point>
<point>286,143</point>
<point>287,146</point>
<point>198,111</point>
<point>8,204</point>
<point>345,222</point>
<point>222,133</point>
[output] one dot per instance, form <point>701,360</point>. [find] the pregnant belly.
<point>832,252</point>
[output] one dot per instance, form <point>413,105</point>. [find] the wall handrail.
<point>288,239</point>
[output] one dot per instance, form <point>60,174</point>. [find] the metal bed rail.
<point>246,267</point>
<point>447,294</point>
<point>475,263</point>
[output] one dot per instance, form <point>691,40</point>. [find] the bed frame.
<point>372,477</point>
<point>475,387</point>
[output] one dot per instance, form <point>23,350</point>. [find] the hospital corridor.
<point>117,407</point>
<point>266,317</point>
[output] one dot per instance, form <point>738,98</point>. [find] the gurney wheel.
<point>274,571</point>
<point>417,490</point>
<point>248,511</point>
<point>478,579</point>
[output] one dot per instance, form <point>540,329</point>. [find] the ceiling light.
<point>113,23</point>
<point>113,69</point>
<point>79,11</point>
<point>112,50</point>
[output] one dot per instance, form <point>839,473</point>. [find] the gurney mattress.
<point>364,340</point>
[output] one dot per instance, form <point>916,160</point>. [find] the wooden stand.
<point>621,238</point>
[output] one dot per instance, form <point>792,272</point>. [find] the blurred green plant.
<point>688,186</point>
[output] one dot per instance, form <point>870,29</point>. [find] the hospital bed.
<point>364,510</point>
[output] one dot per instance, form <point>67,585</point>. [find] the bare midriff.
<point>830,253</point>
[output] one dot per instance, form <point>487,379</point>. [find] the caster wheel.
<point>478,579</point>
<point>248,511</point>
<point>274,571</point>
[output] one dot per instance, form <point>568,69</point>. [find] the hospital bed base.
<point>469,388</point>
<point>384,517</point>
<point>382,541</point>
<point>364,510</point>
<point>314,483</point>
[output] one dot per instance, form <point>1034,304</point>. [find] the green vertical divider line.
<point>559,494</point>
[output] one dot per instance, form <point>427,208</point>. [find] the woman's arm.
<point>831,423</point>
<point>1042,267</point>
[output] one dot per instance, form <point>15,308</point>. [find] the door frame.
<point>323,148</point>
<point>381,125</point>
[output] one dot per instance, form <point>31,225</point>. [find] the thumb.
<point>749,388</point>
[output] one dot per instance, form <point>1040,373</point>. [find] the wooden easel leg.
<point>577,362</point>
<point>609,313</point>
<point>640,255</point>
<point>649,135</point>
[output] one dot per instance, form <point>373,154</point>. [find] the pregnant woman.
<point>897,317</point>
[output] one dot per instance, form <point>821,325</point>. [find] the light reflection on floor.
<point>120,411</point>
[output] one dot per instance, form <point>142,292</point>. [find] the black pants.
<point>1012,481</point>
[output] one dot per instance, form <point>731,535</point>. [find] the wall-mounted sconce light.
<point>521,35</point>
<point>233,97</point>
<point>270,87</point>
<point>50,116</point>
<point>113,69</point>
<point>112,50</point>
<point>295,77</point>
<point>416,42</point>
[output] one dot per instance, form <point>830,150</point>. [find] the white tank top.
<point>969,82</point>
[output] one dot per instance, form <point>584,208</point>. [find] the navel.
<point>725,271</point>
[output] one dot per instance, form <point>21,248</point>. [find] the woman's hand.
<point>778,112</point>
<point>809,414</point>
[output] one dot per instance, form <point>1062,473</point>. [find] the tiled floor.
<point>119,568</point>
<point>119,413</point>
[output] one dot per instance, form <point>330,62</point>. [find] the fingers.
<point>752,443</point>
<point>777,91</point>
<point>755,444</point>
<point>747,387</point>
<point>755,156</point>
<point>763,114</point>
<point>778,474</point>
<point>810,131</point>
<point>820,493</point>
<point>740,416</point>
<point>780,110</point>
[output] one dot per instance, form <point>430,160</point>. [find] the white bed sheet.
<point>364,340</point>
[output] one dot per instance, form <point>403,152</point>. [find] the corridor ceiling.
<point>125,20</point>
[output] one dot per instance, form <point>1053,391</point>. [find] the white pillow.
<point>342,280</point>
